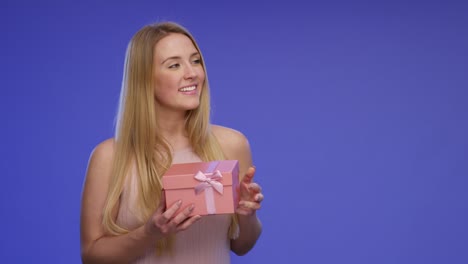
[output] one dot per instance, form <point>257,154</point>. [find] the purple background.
<point>356,114</point>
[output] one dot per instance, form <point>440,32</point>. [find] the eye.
<point>197,61</point>
<point>174,66</point>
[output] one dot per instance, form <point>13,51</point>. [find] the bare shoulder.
<point>103,150</point>
<point>100,160</point>
<point>234,143</point>
<point>229,138</point>
<point>94,192</point>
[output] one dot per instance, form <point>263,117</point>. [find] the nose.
<point>189,72</point>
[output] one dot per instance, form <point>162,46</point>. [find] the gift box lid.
<point>181,176</point>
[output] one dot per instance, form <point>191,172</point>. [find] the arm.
<point>236,146</point>
<point>96,247</point>
<point>99,247</point>
<point>249,224</point>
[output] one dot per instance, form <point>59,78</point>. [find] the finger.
<point>259,197</point>
<point>249,205</point>
<point>183,215</point>
<point>245,211</point>
<point>254,187</point>
<point>169,213</point>
<point>249,191</point>
<point>249,175</point>
<point>188,222</point>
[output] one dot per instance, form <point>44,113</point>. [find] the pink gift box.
<point>211,186</point>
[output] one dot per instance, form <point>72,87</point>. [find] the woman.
<point>163,119</point>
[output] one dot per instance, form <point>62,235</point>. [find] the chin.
<point>193,105</point>
<point>189,107</point>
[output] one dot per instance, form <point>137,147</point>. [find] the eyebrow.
<point>178,57</point>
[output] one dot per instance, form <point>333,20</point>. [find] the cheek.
<point>164,85</point>
<point>201,75</point>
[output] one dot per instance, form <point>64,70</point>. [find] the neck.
<point>172,127</point>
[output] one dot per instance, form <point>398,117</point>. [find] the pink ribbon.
<point>209,181</point>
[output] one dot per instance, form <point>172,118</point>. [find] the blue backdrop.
<point>356,112</point>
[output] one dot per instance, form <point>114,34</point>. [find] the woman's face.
<point>178,73</point>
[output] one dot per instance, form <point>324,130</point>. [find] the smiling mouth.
<point>188,88</point>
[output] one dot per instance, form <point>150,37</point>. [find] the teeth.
<point>187,89</point>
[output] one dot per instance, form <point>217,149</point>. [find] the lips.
<point>188,88</point>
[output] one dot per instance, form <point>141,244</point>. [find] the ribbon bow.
<point>209,180</point>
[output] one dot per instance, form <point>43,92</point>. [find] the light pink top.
<point>205,242</point>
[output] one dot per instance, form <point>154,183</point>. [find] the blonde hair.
<point>138,140</point>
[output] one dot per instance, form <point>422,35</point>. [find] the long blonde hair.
<point>137,137</point>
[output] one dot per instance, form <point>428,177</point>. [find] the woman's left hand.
<point>250,194</point>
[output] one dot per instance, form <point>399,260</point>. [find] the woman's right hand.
<point>165,221</point>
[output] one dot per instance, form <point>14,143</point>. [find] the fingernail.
<point>192,206</point>
<point>179,203</point>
